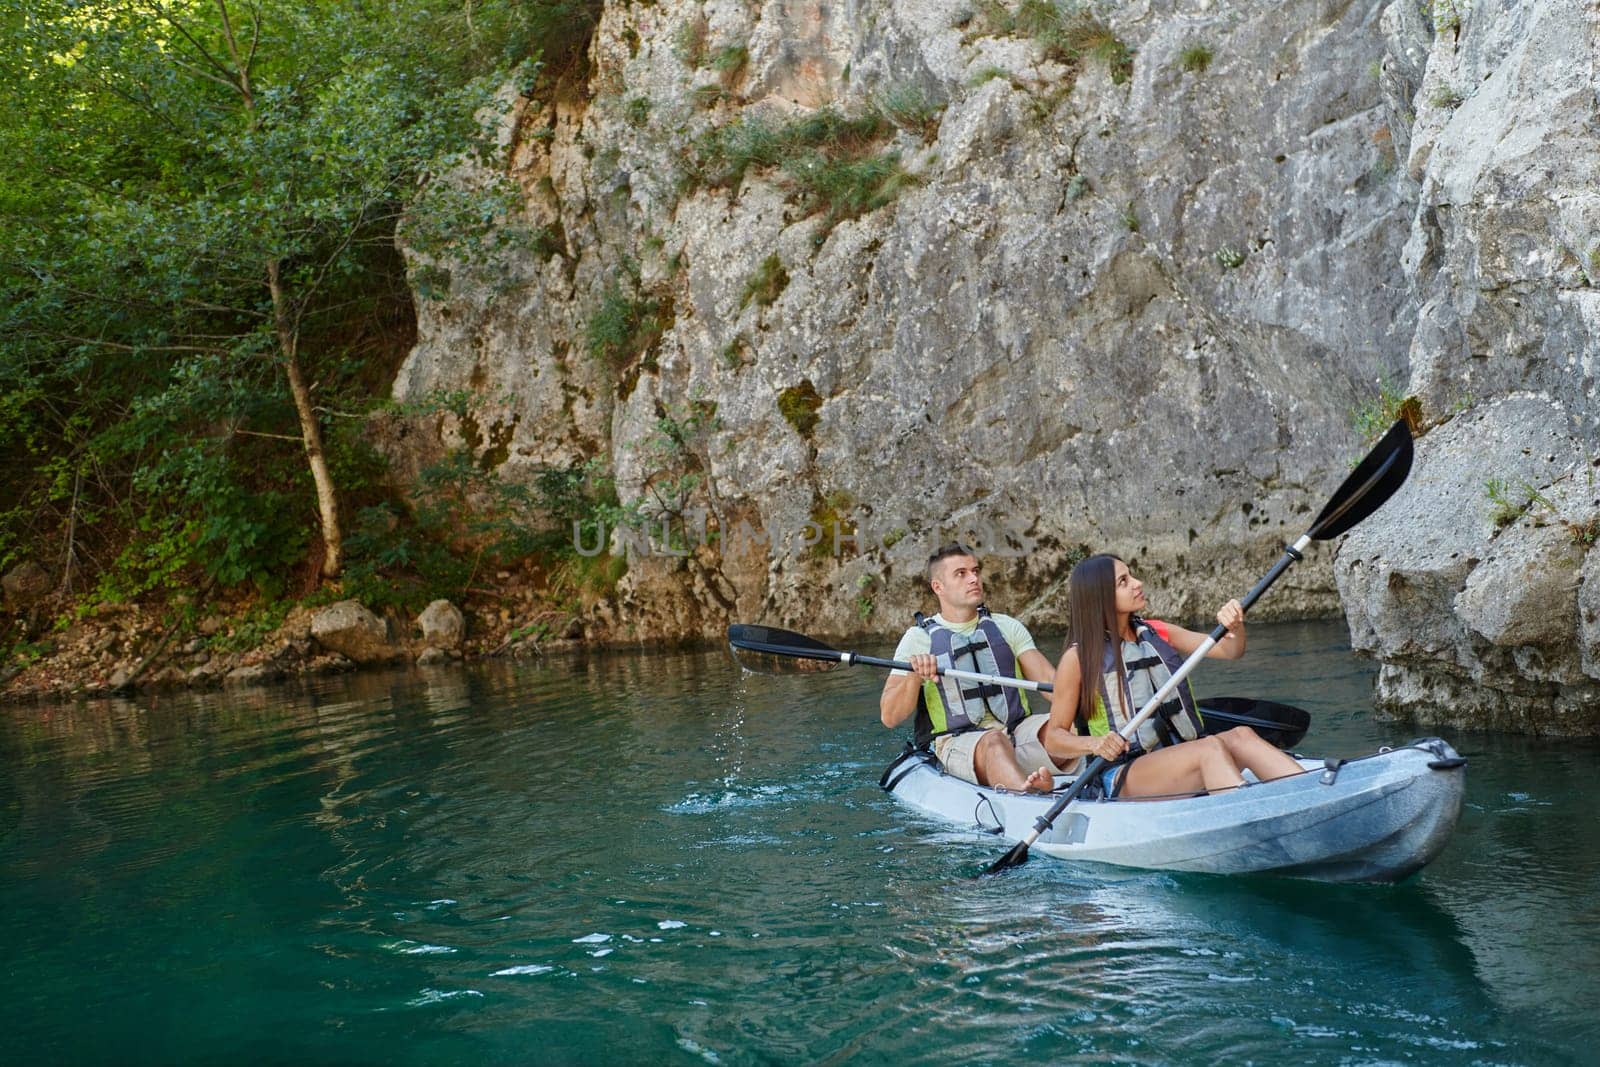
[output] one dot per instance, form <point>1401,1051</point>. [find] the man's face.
<point>956,582</point>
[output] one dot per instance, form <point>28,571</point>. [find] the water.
<point>651,859</point>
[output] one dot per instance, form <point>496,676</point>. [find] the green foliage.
<point>735,352</point>
<point>1130,218</point>
<point>1194,59</point>
<point>150,192</point>
<point>637,110</point>
<point>766,283</point>
<point>1447,97</point>
<point>1228,257</point>
<point>864,600</point>
<point>725,154</point>
<point>830,513</point>
<point>624,325</point>
<point>831,157</point>
<point>987,74</point>
<point>799,405</point>
<point>250,631</point>
<point>1069,34</point>
<point>912,108</point>
<point>1373,418</point>
<point>1508,502</point>
<point>842,189</point>
<point>730,62</point>
<point>689,42</point>
<point>1443,14</point>
<point>706,97</point>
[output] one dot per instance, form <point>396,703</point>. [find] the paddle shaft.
<point>1020,853</point>
<point>847,658</point>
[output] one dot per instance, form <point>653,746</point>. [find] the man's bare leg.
<point>995,761</point>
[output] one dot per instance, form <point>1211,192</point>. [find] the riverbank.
<point>113,648</point>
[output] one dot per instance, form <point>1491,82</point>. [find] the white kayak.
<point>1378,818</point>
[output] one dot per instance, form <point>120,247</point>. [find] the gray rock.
<point>352,631</point>
<point>1131,316</point>
<point>254,674</point>
<point>442,625</point>
<point>25,585</point>
<point>1589,613</point>
<point>1478,622</point>
<point>432,657</point>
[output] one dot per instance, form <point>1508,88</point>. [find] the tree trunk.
<point>310,429</point>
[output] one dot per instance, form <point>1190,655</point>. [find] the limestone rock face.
<point>1480,601</point>
<point>1123,308</point>
<point>442,625</point>
<point>352,631</point>
<point>1479,587</point>
<point>1129,304</point>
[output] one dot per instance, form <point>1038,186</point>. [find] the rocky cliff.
<point>1064,277</point>
<point>1479,586</point>
<point>1124,281</point>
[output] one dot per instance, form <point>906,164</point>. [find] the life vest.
<point>1173,722</point>
<point>951,705</point>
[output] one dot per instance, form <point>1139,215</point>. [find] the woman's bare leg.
<point>1202,764</point>
<point>1249,750</point>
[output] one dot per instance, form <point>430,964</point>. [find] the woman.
<point>1115,663</point>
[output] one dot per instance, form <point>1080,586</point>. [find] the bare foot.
<point>1040,781</point>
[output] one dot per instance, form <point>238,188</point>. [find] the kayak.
<point>1378,818</point>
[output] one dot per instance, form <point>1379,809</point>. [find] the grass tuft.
<point>1195,59</point>
<point>765,285</point>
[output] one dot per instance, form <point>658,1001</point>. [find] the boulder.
<point>25,585</point>
<point>352,631</point>
<point>1477,585</point>
<point>442,625</point>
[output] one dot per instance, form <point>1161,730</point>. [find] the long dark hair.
<point>1091,622</point>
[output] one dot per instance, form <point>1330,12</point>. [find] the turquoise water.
<point>654,859</point>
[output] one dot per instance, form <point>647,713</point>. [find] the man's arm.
<point>899,699</point>
<point>1035,667</point>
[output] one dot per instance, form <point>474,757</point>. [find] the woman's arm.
<point>1232,644</point>
<point>1060,736</point>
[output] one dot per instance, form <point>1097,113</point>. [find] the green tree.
<point>197,198</point>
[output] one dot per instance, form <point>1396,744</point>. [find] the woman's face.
<point>1129,590</point>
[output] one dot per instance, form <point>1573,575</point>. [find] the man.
<point>981,733</point>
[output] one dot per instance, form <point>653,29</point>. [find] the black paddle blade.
<point>1278,724</point>
<point>744,635</point>
<point>770,651</point>
<point>1015,858</point>
<point>1374,481</point>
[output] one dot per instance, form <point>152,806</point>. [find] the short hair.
<point>945,551</point>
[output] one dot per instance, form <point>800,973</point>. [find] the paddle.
<point>1375,480</point>
<point>1281,725</point>
<point>765,642</point>
<point>774,651</point>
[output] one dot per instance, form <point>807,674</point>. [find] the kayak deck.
<point>1378,818</point>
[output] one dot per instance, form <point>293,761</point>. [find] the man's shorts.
<point>956,751</point>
